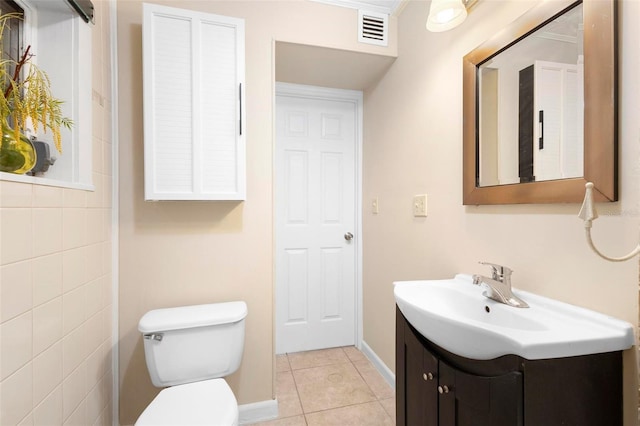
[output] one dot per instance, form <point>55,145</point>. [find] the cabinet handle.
<point>427,376</point>
<point>240,102</point>
<point>443,389</point>
<point>541,123</point>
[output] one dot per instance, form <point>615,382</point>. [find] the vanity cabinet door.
<point>470,400</point>
<point>421,383</point>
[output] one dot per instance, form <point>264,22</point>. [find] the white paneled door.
<point>315,222</point>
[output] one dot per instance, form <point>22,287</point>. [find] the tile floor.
<point>329,387</point>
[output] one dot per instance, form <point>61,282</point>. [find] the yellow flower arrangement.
<point>26,100</point>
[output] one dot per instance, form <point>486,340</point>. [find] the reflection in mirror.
<point>532,105</point>
<point>576,142</point>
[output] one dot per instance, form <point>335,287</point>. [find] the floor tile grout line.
<point>335,362</point>
<point>349,361</point>
<point>347,406</point>
<point>372,391</point>
<point>321,366</point>
<point>295,384</point>
<point>367,383</point>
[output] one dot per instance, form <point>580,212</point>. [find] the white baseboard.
<point>382,368</point>
<point>258,411</point>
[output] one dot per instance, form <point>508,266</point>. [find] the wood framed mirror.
<point>598,79</point>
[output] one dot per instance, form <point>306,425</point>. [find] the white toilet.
<point>189,349</point>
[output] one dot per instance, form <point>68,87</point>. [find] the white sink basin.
<point>455,315</point>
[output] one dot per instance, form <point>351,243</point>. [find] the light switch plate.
<point>420,205</point>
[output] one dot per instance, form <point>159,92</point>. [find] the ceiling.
<point>326,67</point>
<point>390,7</point>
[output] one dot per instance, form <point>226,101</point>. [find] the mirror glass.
<point>540,107</point>
<point>531,108</point>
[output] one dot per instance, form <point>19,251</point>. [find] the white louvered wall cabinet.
<point>193,72</point>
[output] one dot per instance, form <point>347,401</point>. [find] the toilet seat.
<point>209,402</point>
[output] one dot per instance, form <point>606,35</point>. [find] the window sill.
<point>44,181</point>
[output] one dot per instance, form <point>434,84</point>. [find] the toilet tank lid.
<point>192,316</point>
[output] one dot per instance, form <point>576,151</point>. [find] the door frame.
<point>342,95</point>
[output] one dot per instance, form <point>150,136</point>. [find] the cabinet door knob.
<point>443,389</point>
<point>427,376</point>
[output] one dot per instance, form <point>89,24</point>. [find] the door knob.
<point>348,236</point>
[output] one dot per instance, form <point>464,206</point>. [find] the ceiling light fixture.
<point>447,14</point>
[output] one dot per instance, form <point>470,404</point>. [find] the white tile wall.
<point>47,325</point>
<point>55,284</point>
<point>47,278</point>
<point>47,231</point>
<point>16,344</point>
<point>16,242</point>
<point>49,411</point>
<point>16,396</point>
<point>47,372</point>
<point>16,292</point>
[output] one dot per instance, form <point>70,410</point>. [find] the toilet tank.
<point>193,343</point>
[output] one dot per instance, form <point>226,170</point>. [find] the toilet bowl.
<point>190,349</point>
<point>209,402</point>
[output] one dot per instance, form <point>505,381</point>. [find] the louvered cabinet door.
<point>193,72</point>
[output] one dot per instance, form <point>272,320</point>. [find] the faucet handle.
<point>498,271</point>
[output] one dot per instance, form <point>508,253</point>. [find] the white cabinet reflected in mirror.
<point>532,104</point>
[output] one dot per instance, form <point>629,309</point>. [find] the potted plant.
<point>26,102</point>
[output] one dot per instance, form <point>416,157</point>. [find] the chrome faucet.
<point>498,287</point>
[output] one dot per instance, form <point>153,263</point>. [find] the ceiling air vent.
<point>372,27</point>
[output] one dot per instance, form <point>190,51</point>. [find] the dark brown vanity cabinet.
<point>432,392</point>
<point>437,388</point>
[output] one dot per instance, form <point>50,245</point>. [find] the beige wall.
<point>176,253</point>
<point>55,283</point>
<point>413,145</point>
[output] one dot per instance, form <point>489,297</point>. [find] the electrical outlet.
<point>374,206</point>
<point>420,205</point>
